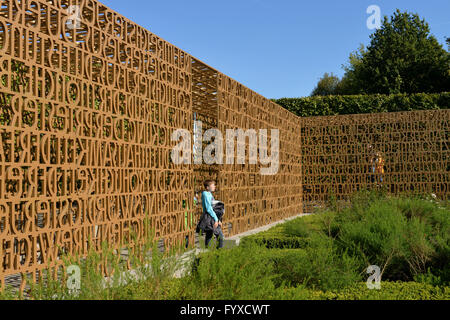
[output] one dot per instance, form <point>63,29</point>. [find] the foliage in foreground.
<point>322,256</point>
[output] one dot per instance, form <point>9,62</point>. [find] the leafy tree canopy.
<point>326,85</point>
<point>402,57</point>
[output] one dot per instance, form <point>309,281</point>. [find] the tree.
<point>326,85</point>
<point>448,43</point>
<point>350,83</point>
<point>402,57</point>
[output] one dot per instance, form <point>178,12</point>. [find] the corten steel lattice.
<point>337,157</point>
<point>88,109</point>
<point>252,199</point>
<point>205,110</point>
<point>87,113</point>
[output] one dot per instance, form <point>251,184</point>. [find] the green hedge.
<point>334,105</point>
<point>388,291</point>
<point>276,241</point>
<point>295,234</point>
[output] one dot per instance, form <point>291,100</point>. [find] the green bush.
<point>376,238</point>
<point>239,273</point>
<point>359,291</point>
<point>428,278</point>
<point>151,289</point>
<point>319,265</point>
<point>297,228</point>
<point>406,237</point>
<point>277,237</point>
<point>439,220</point>
<point>272,241</point>
<point>354,104</point>
<point>292,235</point>
<point>302,226</point>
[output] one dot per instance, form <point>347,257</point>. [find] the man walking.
<point>207,199</point>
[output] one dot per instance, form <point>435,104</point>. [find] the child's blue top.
<point>207,199</point>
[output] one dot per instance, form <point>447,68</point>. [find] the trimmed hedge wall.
<point>334,105</point>
<point>389,291</point>
<point>292,235</point>
<point>272,241</point>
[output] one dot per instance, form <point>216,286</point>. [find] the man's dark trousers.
<point>219,236</point>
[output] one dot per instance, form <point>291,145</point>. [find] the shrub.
<point>415,207</point>
<point>327,222</point>
<point>359,291</point>
<point>374,237</point>
<point>318,265</point>
<point>404,236</point>
<point>440,239</point>
<point>324,267</point>
<point>291,235</point>
<point>273,241</point>
<point>428,237</point>
<point>354,104</point>
<point>238,273</point>
<point>297,228</point>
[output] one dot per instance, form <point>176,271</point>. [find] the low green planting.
<point>318,266</point>
<point>240,273</point>
<point>326,254</point>
<point>144,265</point>
<point>277,274</point>
<point>408,237</point>
<point>271,241</point>
<point>292,235</point>
<point>322,256</point>
<point>359,291</point>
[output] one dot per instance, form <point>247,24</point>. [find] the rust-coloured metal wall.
<point>336,157</point>
<point>86,119</point>
<point>253,199</point>
<point>88,108</point>
<point>205,109</point>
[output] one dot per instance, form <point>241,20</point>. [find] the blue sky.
<point>278,48</point>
